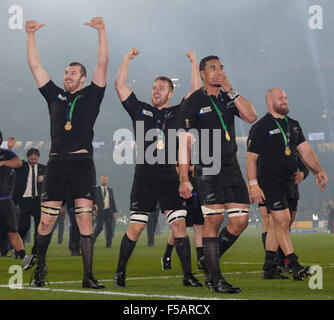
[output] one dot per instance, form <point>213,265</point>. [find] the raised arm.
<point>122,77</point>
<point>100,71</point>
<point>195,81</point>
<point>312,162</point>
<point>40,75</point>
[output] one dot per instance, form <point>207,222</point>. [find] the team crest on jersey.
<point>272,132</point>
<point>147,113</point>
<point>187,123</point>
<point>205,110</point>
<point>61,97</point>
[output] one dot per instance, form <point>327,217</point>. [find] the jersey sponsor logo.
<point>147,113</point>
<point>275,131</point>
<point>205,110</point>
<point>61,97</point>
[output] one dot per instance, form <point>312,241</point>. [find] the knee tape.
<point>51,211</point>
<point>79,210</point>
<point>139,217</point>
<point>175,215</point>
<point>211,212</point>
<point>237,212</point>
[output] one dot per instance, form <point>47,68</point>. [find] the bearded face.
<point>280,102</point>
<point>281,108</point>
<point>160,93</point>
<point>73,80</point>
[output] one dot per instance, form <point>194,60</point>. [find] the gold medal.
<point>68,126</point>
<point>287,151</point>
<point>227,136</point>
<point>160,144</point>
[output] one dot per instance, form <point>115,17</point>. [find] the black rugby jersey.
<point>266,140</point>
<point>7,175</point>
<point>85,112</point>
<point>198,112</point>
<point>145,119</point>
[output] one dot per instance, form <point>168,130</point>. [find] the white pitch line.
<point>113,293</point>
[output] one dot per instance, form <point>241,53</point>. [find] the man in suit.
<point>107,211</point>
<point>27,193</point>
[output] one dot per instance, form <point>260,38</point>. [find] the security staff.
<point>107,211</point>
<point>153,181</point>
<point>211,111</point>
<point>272,144</point>
<point>70,171</point>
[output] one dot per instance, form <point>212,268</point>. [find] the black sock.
<point>182,246</point>
<point>200,252</point>
<point>226,239</point>
<point>264,238</point>
<point>21,254</point>
<point>168,251</point>
<point>269,260</point>
<point>43,242</point>
<point>280,257</point>
<point>211,252</point>
<point>292,260</point>
<point>126,249</point>
<point>87,248</point>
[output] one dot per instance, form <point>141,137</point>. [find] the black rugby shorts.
<point>228,186</point>
<point>150,186</point>
<point>8,215</point>
<point>280,194</point>
<point>70,176</point>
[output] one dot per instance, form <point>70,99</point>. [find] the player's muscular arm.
<point>122,77</point>
<point>40,75</point>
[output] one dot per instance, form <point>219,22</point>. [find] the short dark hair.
<point>1,138</point>
<point>205,60</point>
<point>168,80</point>
<point>32,151</point>
<point>83,71</point>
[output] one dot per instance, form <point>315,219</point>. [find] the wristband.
<point>253,182</point>
<point>233,94</point>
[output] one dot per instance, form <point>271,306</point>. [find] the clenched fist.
<point>132,53</point>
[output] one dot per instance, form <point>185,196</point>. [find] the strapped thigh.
<point>237,212</point>
<point>139,216</point>
<point>79,210</point>
<point>51,211</point>
<point>211,212</point>
<point>174,215</point>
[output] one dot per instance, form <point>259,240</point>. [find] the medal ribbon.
<point>163,126</point>
<point>219,115</point>
<point>287,135</point>
<point>70,111</point>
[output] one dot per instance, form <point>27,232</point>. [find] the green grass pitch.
<point>241,266</point>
